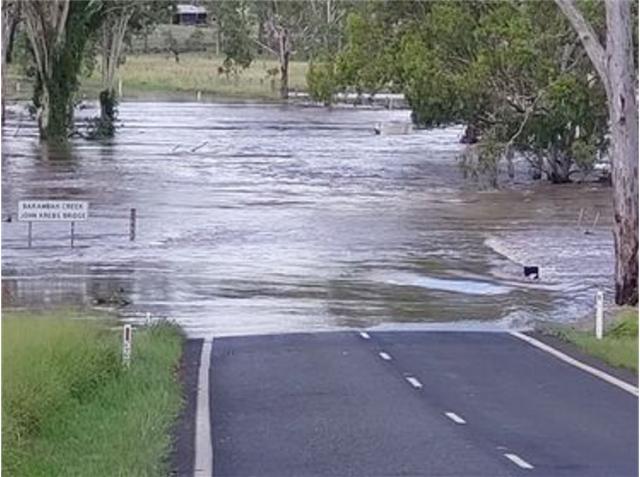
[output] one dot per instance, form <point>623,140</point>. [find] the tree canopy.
<point>514,74</point>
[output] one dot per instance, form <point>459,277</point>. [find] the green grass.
<point>158,75</point>
<point>70,409</point>
<point>199,72</point>
<point>619,345</point>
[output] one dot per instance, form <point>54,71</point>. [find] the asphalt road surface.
<point>412,404</point>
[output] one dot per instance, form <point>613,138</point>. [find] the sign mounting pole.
<point>39,210</point>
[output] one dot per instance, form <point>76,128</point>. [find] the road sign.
<point>53,210</point>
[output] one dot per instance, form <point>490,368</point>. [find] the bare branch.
<point>265,46</point>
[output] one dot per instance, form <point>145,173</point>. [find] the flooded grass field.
<point>266,218</point>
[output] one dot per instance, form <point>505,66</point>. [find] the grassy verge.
<point>158,75</point>
<point>68,406</point>
<point>618,347</point>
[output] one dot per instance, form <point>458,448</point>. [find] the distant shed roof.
<point>185,9</point>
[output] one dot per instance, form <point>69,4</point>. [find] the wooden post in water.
<point>132,225</point>
<point>580,217</point>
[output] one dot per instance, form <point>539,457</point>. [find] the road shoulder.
<point>182,456</point>
<point>573,351</point>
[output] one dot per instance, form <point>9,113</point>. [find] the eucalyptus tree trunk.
<point>284,55</point>
<point>284,69</point>
<point>623,116</point>
<point>7,14</point>
<point>113,32</point>
<point>615,66</point>
<point>58,31</point>
<point>46,23</point>
<point>10,12</point>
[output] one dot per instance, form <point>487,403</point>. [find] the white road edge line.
<point>203,461</point>
<point>384,356</point>
<point>520,462</point>
<point>365,335</point>
<point>578,364</point>
<point>455,418</point>
<point>414,382</point>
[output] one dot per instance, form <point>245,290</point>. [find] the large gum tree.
<point>614,63</point>
<point>58,31</point>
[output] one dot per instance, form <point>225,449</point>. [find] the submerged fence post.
<point>599,314</point>
<point>126,345</point>
<point>580,217</point>
<point>132,225</point>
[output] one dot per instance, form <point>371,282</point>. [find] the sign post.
<point>52,211</point>
<point>132,225</point>
<point>126,345</point>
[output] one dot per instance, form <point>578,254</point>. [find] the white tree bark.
<point>614,64</point>
<point>45,23</point>
<point>623,118</point>
<point>10,10</point>
<point>114,30</point>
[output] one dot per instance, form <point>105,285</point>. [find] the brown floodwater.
<point>268,218</point>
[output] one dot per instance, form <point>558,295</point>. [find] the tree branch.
<point>265,46</point>
<point>588,37</point>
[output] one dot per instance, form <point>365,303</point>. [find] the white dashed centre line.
<point>414,382</point>
<point>519,461</point>
<point>385,356</point>
<point>365,335</point>
<point>455,418</point>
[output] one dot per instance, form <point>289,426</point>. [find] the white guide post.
<point>126,345</point>
<point>599,314</point>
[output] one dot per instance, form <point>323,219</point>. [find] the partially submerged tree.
<point>615,65</point>
<point>120,20</point>
<point>515,76</point>
<point>58,31</point>
<point>117,15</point>
<point>10,19</point>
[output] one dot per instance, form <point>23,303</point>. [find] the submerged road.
<point>412,404</point>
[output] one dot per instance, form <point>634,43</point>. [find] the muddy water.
<point>262,218</point>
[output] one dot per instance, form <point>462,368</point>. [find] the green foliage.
<point>237,46</point>
<point>321,81</point>
<point>513,71</point>
<point>195,41</point>
<point>366,61</point>
<point>83,20</point>
<point>619,346</point>
<point>47,363</point>
<point>170,43</point>
<point>69,408</point>
<point>626,325</point>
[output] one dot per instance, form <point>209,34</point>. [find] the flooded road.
<point>266,218</point>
